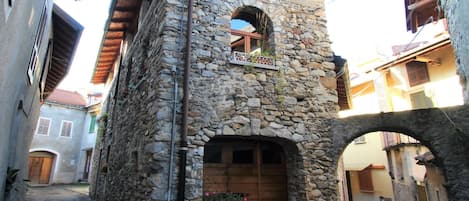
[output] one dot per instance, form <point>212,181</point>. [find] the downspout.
<point>173,134</point>
<point>183,146</point>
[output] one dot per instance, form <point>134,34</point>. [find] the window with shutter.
<point>33,61</point>
<point>43,126</point>
<point>417,73</point>
<point>365,180</point>
<point>419,100</point>
<point>92,124</point>
<point>66,129</point>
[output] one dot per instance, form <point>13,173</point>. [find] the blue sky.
<point>238,24</point>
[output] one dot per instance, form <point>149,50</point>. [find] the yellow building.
<point>419,75</point>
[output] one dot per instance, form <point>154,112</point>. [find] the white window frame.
<point>8,8</point>
<point>38,124</point>
<point>62,126</point>
<point>360,140</point>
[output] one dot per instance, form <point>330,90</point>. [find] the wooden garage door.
<point>40,166</point>
<point>253,168</point>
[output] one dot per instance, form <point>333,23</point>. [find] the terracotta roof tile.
<point>67,97</point>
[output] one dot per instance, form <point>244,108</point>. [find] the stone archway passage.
<point>40,167</point>
<point>253,168</point>
<point>445,131</point>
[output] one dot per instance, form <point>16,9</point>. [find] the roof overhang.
<point>418,13</point>
<point>370,72</point>
<point>414,53</point>
<point>66,35</point>
<point>123,16</point>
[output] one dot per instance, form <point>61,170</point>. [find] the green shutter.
<point>92,123</point>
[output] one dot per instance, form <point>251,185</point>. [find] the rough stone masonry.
<point>292,106</point>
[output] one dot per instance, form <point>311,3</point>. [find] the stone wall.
<point>292,106</point>
<point>457,15</point>
<point>442,130</point>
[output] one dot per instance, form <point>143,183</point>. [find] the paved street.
<point>58,193</point>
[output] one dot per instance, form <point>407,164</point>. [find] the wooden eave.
<point>410,55</point>
<point>123,14</point>
<point>66,35</point>
<point>419,11</point>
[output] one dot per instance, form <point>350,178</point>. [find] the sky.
<point>361,29</point>
<point>92,15</point>
<point>358,29</point>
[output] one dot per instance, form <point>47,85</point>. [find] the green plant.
<point>280,84</point>
<point>12,183</point>
<point>10,179</point>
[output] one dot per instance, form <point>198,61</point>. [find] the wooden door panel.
<point>35,164</point>
<point>45,170</point>
<point>263,182</point>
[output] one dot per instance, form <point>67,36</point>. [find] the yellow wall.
<point>382,187</point>
<point>359,156</point>
<point>444,88</point>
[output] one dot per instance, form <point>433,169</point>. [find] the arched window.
<point>250,31</point>
<point>252,38</point>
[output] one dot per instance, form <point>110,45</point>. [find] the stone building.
<point>224,110</point>
<point>33,34</point>
<point>250,115</point>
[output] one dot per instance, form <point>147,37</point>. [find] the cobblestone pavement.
<point>58,193</point>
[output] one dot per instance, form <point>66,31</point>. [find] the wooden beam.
<point>245,33</point>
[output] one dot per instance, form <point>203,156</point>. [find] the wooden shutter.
<point>365,180</point>
<point>417,73</point>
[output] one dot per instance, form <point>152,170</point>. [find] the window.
<point>250,30</point>
<point>417,73</point>
<point>243,154</point>
<point>43,126</point>
<point>213,153</point>
<point>8,6</point>
<point>66,129</point>
<point>92,124</point>
<point>365,180</point>
<point>271,154</point>
<point>251,38</point>
<point>360,140</point>
<point>33,61</point>
<point>419,100</point>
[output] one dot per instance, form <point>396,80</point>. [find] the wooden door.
<point>86,171</point>
<point>40,166</point>
<point>253,168</point>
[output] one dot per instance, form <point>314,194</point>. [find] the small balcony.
<point>396,139</point>
<point>260,61</point>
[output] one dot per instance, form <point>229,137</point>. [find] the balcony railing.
<point>392,139</point>
<point>260,61</point>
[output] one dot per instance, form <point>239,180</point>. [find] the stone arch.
<point>443,131</point>
<point>291,154</point>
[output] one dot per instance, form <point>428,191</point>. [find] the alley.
<point>58,193</point>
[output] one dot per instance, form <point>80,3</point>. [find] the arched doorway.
<point>40,167</point>
<point>255,169</point>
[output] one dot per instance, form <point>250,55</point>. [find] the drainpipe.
<point>183,146</point>
<point>173,134</point>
